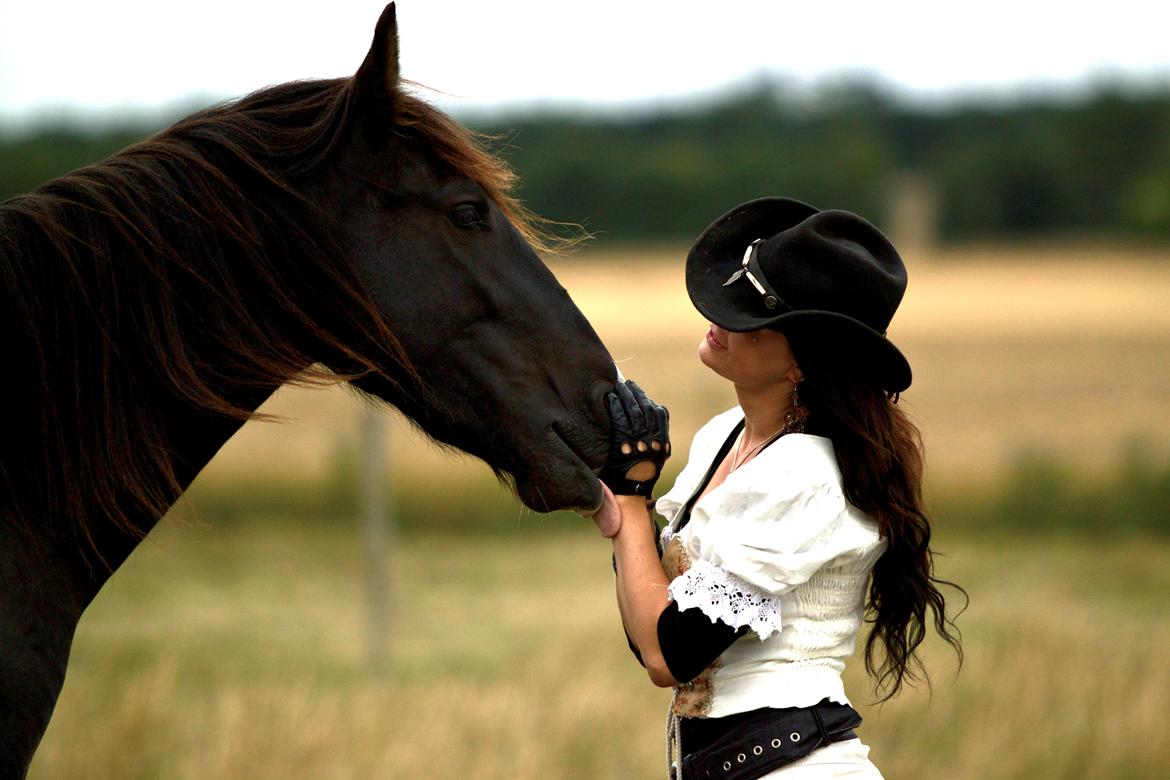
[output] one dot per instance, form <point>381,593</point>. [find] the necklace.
<point>740,457</point>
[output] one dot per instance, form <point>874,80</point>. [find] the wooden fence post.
<point>377,532</point>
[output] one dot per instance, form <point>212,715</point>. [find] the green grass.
<point>1041,495</point>
<point>237,650</point>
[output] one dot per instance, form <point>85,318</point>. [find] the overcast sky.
<point>109,55</point>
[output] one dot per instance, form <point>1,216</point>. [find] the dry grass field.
<point>238,653</point>
<point>1059,349</point>
<point>236,649</point>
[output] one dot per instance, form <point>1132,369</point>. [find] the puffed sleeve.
<point>750,544</point>
<point>776,539</point>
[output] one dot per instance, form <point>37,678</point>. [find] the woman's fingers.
<point>663,419</point>
<point>637,417</point>
<point>633,409</point>
<point>638,442</point>
<point>609,516</point>
<point>617,413</point>
<point>646,406</point>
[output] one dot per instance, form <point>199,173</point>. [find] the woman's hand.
<point>608,516</point>
<point>639,443</point>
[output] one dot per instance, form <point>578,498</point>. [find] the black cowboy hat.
<point>828,275</point>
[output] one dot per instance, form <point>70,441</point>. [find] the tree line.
<point>1033,166</point>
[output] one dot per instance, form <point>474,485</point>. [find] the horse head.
<point>151,302</point>
<point>499,362</point>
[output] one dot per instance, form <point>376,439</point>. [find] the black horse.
<point>150,303</point>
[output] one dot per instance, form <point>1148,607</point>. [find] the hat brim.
<point>718,253</point>
<point>850,340</point>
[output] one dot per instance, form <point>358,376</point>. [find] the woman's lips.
<point>714,342</point>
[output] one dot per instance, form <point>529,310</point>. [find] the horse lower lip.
<point>563,481</point>
<point>589,512</point>
<point>561,491</point>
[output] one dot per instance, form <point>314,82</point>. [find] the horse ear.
<point>376,82</point>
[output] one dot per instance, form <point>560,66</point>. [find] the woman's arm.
<point>641,586</point>
<point>674,645</point>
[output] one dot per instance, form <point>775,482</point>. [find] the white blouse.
<point>775,547</point>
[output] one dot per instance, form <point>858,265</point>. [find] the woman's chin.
<point>705,355</point>
<point>709,358</point>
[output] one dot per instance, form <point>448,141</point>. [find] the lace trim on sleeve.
<point>723,596</point>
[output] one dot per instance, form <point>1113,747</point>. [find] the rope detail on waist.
<point>673,741</point>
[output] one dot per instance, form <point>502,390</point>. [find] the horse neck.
<point>142,335</point>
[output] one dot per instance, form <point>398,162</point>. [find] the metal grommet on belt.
<point>773,738</point>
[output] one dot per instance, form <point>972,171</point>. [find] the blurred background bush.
<point>1096,164</point>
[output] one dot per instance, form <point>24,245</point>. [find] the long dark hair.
<point>879,452</point>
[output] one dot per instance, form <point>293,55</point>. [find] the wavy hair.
<point>879,452</point>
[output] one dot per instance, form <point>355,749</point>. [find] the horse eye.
<point>468,215</point>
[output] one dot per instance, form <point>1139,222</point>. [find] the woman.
<point>799,512</point>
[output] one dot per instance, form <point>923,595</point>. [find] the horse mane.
<point>128,290</point>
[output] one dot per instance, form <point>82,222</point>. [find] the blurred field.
<point>232,645</point>
<point>1059,349</point>
<point>237,652</point>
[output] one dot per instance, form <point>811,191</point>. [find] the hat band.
<point>750,268</point>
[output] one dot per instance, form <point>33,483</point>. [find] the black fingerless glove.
<point>639,443</point>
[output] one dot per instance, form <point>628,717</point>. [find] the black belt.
<point>762,741</point>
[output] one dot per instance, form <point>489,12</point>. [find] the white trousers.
<point>848,759</point>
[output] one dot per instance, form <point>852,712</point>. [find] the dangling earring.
<point>755,339</point>
<point>796,415</point>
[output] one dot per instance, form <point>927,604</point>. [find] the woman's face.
<point>753,360</point>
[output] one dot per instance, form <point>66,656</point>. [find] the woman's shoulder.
<point>810,466</point>
<point>716,430</point>
<point>808,458</point>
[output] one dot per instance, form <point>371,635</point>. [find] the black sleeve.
<point>690,640</point>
